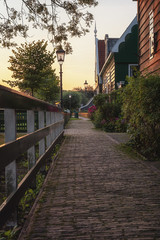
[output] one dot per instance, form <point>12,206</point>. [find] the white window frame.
<point>129,69</point>
<point>151,35</point>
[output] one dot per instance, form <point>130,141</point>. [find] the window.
<point>132,70</point>
<point>155,41</point>
<point>151,35</point>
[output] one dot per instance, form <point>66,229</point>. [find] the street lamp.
<point>70,97</point>
<point>85,85</point>
<point>60,58</point>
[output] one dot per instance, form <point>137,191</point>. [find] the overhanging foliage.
<point>51,15</point>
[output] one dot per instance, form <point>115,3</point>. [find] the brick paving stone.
<point>95,192</point>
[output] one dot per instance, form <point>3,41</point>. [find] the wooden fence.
<point>50,124</point>
<point>21,121</point>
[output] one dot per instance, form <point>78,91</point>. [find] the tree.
<point>85,94</point>
<point>45,15</point>
<point>73,102</point>
<point>49,90</point>
<point>31,65</point>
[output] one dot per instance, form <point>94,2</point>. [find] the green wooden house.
<point>122,60</point>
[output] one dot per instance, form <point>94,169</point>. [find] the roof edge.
<point>122,38</point>
<point>107,60</point>
<point>97,56</point>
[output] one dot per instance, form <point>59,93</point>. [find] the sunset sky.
<point>112,17</point>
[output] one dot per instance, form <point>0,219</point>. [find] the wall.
<point>109,76</point>
<point>148,64</point>
<point>127,54</point>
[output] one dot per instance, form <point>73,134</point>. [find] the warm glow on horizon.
<point>112,17</point>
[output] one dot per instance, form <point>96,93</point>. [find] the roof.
<point>101,53</point>
<point>122,38</point>
<point>110,42</point>
<point>119,41</point>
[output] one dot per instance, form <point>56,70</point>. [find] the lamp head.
<point>60,55</point>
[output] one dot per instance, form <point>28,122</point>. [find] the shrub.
<point>98,117</point>
<point>141,108</point>
<point>120,125</point>
<point>91,111</point>
<point>100,99</point>
<point>114,125</point>
<point>108,111</point>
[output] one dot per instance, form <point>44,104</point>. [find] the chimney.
<point>106,45</point>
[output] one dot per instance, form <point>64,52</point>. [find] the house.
<point>102,50</point>
<point>149,35</point>
<point>120,59</point>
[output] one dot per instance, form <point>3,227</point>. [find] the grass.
<point>130,151</point>
<point>2,137</point>
<point>73,118</point>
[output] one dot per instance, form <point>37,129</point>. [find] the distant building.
<point>102,50</point>
<point>149,35</point>
<point>119,57</point>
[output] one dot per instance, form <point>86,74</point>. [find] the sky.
<point>112,17</point>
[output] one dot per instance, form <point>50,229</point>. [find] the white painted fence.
<point>50,123</point>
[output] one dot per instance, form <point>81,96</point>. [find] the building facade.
<point>149,35</point>
<point>102,51</point>
<point>121,60</point>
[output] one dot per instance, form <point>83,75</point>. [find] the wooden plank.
<point>48,122</point>
<point>12,150</point>
<point>144,46</point>
<point>144,35</point>
<point>12,201</point>
<point>143,26</point>
<point>151,66</point>
<point>41,125</point>
<point>30,128</point>
<point>10,98</point>
<point>156,14</point>
<point>145,7</point>
<point>144,29</point>
<point>11,168</point>
<point>144,57</point>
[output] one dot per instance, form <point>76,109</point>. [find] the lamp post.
<point>70,97</point>
<point>85,85</point>
<point>60,58</point>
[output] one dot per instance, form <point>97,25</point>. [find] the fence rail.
<point>21,121</point>
<point>45,131</point>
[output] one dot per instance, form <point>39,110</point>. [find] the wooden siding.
<point>109,77</point>
<point>148,64</point>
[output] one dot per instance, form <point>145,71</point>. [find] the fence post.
<point>53,130</point>
<point>30,129</point>
<point>41,125</point>
<point>10,170</point>
<point>48,122</point>
<point>42,141</point>
<point>58,126</point>
<point>61,126</point>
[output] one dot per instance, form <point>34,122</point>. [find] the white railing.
<point>50,130</point>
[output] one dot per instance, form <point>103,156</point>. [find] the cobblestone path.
<point>96,192</point>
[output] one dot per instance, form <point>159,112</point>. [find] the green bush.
<point>99,100</point>
<point>97,118</point>
<point>109,126</point>
<point>108,113</point>
<point>141,108</point>
<point>114,125</point>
